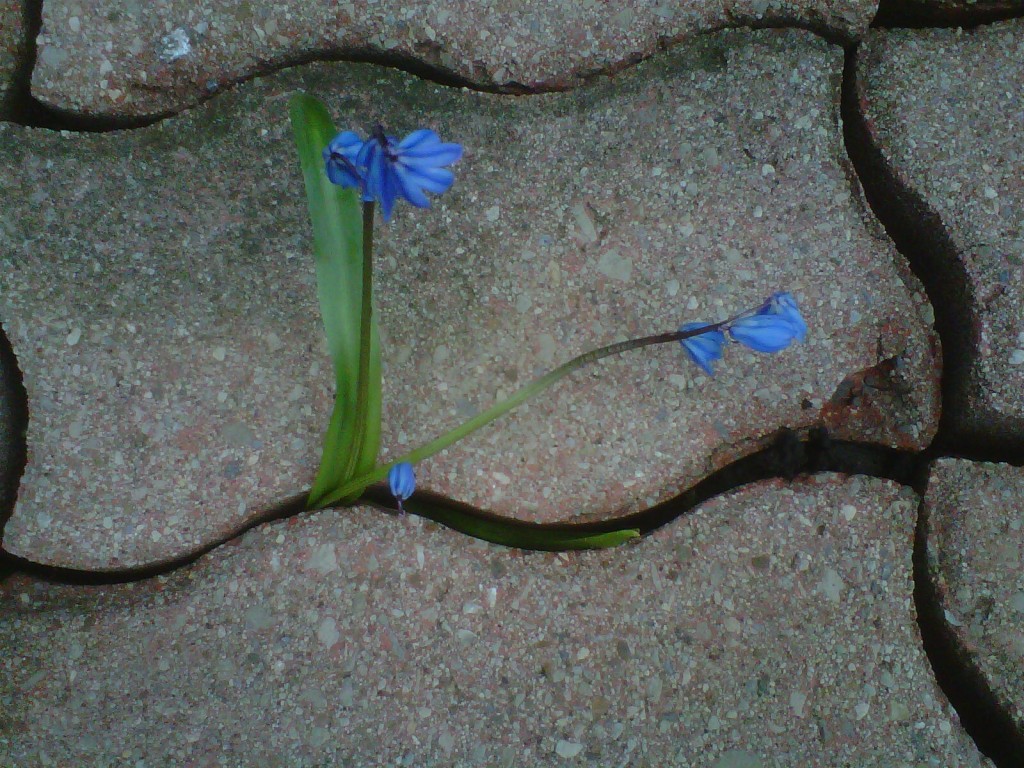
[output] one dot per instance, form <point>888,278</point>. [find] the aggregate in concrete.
<point>161,288</point>
<point>946,107</point>
<point>773,627</point>
<point>134,59</point>
<point>975,515</point>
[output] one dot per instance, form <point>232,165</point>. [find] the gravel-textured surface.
<point>162,293</point>
<point>947,113</point>
<point>12,50</point>
<point>975,551</point>
<point>772,627</point>
<point>131,58</point>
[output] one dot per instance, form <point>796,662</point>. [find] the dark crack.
<point>14,418</point>
<point>921,14</point>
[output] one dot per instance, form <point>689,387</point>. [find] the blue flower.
<point>703,348</point>
<point>385,169</point>
<point>764,333</point>
<point>784,305</point>
<point>402,480</point>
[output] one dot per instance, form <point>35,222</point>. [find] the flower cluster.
<point>770,328</point>
<point>384,169</point>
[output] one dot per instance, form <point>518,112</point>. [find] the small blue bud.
<point>704,348</point>
<point>402,480</point>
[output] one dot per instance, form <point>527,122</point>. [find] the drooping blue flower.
<point>784,305</point>
<point>384,169</point>
<point>764,333</point>
<point>703,348</point>
<point>402,480</point>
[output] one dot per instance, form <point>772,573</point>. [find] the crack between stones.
<point>26,110</point>
<point>786,457</point>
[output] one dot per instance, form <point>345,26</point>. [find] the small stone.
<point>568,749</point>
<point>1017,602</point>
<point>797,700</point>
<point>831,585</point>
<point>1017,357</point>
<point>328,633</point>
<point>738,758</point>
<point>74,336</point>
<point>219,353</point>
<point>492,213</point>
<point>324,560</point>
<point>258,617</point>
<point>849,512</point>
<point>614,265</point>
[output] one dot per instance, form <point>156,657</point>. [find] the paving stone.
<point>12,49</point>
<point>165,317</point>
<point>945,107</point>
<point>132,59</point>
<point>772,626</point>
<point>975,551</point>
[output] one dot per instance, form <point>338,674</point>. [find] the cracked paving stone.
<point>945,107</point>
<point>975,551</point>
<point>130,59</point>
<point>161,288</point>
<point>770,627</point>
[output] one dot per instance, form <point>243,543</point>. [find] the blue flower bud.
<point>402,480</point>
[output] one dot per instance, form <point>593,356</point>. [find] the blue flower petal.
<point>421,137</point>
<point>402,480</point>
<point>431,179</point>
<point>764,333</point>
<point>704,348</point>
<point>340,159</point>
<point>411,190</point>
<point>784,305</point>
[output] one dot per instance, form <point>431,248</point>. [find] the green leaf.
<point>352,439</point>
<point>515,533</point>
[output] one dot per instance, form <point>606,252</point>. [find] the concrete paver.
<point>975,550</point>
<point>133,59</point>
<point>164,308</point>
<point>772,627</point>
<point>946,107</point>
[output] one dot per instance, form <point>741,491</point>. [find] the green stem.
<point>365,325</point>
<point>357,484</point>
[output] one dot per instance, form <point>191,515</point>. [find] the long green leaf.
<point>519,534</point>
<point>337,245</point>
